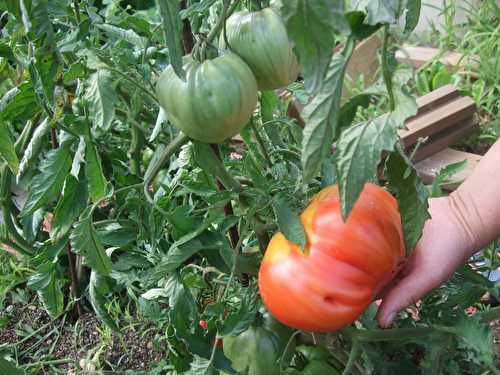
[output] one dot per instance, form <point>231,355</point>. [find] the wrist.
<point>468,222</point>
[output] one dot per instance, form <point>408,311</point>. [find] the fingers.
<point>406,292</point>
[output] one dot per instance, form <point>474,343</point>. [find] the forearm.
<point>475,205</point>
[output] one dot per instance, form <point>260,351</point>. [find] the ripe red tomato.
<point>343,267</point>
<point>203,324</point>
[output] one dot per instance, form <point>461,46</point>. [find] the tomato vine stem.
<point>173,147</point>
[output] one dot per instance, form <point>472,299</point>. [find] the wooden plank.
<point>436,98</point>
<point>430,167</point>
<point>432,122</point>
<point>417,56</point>
<point>446,138</point>
<point>364,61</point>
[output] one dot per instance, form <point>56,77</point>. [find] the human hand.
<point>443,247</point>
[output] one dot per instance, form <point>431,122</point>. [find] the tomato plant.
<point>343,266</point>
<point>144,170</point>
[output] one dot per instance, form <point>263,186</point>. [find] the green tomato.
<point>258,350</point>
<point>146,157</point>
<point>215,101</point>
<point>261,39</point>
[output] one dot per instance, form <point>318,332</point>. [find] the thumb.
<point>407,291</point>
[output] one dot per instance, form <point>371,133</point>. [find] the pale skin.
<point>461,224</point>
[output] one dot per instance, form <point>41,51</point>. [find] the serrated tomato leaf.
<point>322,116</point>
<point>7,151</point>
<point>84,241</point>
<point>312,26</point>
<point>98,291</point>
<point>411,194</point>
<point>47,185</point>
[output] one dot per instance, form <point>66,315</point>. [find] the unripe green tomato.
<point>261,39</point>
<point>146,157</point>
<point>216,100</point>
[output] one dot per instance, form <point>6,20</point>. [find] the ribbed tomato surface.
<point>344,265</point>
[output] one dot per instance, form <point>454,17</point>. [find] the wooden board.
<point>445,138</point>
<point>432,122</point>
<point>417,56</point>
<point>364,61</point>
<point>430,167</point>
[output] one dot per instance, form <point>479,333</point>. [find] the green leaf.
<point>102,98</point>
<point>47,185</point>
<point>52,296</point>
<point>98,290</point>
<point>360,147</point>
<point>171,22</point>
<point>7,368</point>
<point>30,156</point>
<point>7,151</point>
<point>18,102</point>
<point>93,170</point>
<point>237,322</point>
<point>116,233</point>
<point>312,25</point>
<point>478,337</point>
<point>122,34</point>
<point>378,11</point>
<point>176,256</point>
<point>359,29</point>
<point>184,317</point>
<point>42,278</point>
<point>322,116</point>
<point>289,221</point>
<point>44,75</point>
<point>84,241</point>
<point>412,196</point>
<point>350,108</point>
<point>413,8</point>
<point>70,206</point>
<point>37,22</point>
<point>444,175</point>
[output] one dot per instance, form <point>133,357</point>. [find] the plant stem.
<point>132,81</point>
<point>71,259</point>
<point>173,147</point>
<point>261,143</point>
<point>353,355</point>
<point>228,208</point>
<point>76,5</point>
<point>227,10</point>
<point>75,289</point>
<point>46,363</point>
<point>385,68</point>
<point>187,35</point>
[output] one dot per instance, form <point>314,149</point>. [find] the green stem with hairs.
<point>172,148</point>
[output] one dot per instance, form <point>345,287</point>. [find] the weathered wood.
<point>436,98</point>
<point>437,120</point>
<point>446,138</point>
<point>364,61</point>
<point>417,56</point>
<point>430,167</point>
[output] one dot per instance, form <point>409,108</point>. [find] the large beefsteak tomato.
<point>343,267</point>
<point>260,38</point>
<point>214,102</point>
